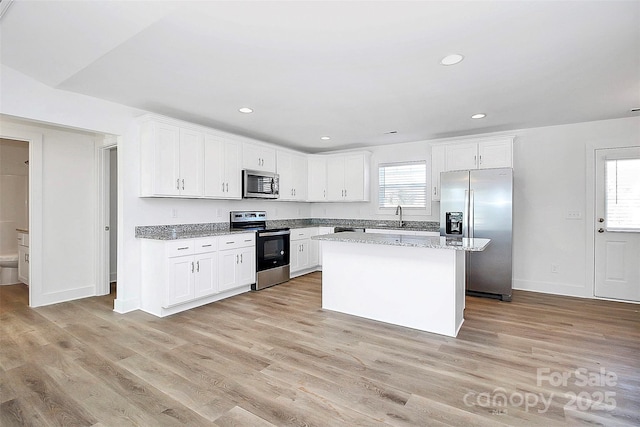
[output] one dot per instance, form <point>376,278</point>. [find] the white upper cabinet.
<point>437,166</point>
<point>495,154</point>
<point>486,154</point>
<point>348,177</point>
<point>292,168</point>
<point>171,160</point>
<point>258,157</point>
<point>223,171</point>
<point>317,166</point>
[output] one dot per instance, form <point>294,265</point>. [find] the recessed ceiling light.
<point>246,110</point>
<point>452,59</point>
<point>325,138</point>
<point>479,116</point>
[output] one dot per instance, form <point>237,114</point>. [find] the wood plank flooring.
<point>275,358</point>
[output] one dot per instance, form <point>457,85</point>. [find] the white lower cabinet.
<point>237,260</point>
<point>181,274</point>
<point>304,251</point>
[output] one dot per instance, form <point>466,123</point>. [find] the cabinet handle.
<point>26,257</point>
<point>237,258</point>
<point>240,258</point>
<point>182,249</point>
<point>183,184</point>
<point>192,266</point>
<point>480,158</point>
<point>223,187</point>
<point>230,242</point>
<point>206,246</point>
<point>227,187</point>
<point>178,184</point>
<point>198,266</point>
<point>435,191</point>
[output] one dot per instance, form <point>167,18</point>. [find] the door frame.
<point>590,217</point>
<point>103,273</point>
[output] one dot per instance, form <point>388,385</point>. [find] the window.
<point>623,194</point>
<point>402,184</point>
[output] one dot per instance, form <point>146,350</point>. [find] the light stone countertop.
<point>463,244</point>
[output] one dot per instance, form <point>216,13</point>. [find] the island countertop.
<point>391,239</point>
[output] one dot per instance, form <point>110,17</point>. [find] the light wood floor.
<point>274,357</point>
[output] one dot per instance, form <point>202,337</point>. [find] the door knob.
<point>600,219</point>
<point>600,230</point>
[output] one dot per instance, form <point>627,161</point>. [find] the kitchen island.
<point>412,281</point>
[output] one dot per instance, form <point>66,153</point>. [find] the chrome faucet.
<point>399,211</point>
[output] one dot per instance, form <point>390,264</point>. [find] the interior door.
<point>617,224</point>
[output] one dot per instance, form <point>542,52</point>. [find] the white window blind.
<point>402,184</point>
<point>623,194</point>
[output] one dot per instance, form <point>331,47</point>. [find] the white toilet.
<point>9,269</point>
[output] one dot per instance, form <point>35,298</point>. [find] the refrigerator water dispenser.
<point>454,223</point>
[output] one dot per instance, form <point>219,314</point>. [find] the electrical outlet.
<point>574,214</point>
<point>555,268</point>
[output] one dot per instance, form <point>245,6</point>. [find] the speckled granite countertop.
<point>464,244</point>
<point>192,231</point>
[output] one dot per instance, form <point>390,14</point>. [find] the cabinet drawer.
<point>233,241</point>
<point>208,244</point>
<point>303,233</point>
<point>179,248</point>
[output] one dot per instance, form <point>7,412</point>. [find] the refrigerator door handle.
<point>465,214</point>
<point>471,214</point>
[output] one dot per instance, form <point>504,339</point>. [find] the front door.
<point>617,224</point>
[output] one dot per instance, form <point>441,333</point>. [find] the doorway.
<point>617,224</point>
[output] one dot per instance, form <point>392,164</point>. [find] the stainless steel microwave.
<point>261,185</point>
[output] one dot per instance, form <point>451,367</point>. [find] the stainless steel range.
<point>272,247</point>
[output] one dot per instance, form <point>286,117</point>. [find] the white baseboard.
<point>565,289</point>
<point>125,306</point>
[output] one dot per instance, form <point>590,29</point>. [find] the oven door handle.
<point>274,233</point>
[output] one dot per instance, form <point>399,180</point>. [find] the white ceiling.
<point>351,70</point>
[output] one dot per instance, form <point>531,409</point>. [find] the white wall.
<point>413,151</point>
<point>551,176</point>
<point>553,173</point>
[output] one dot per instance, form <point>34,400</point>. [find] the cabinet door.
<point>180,287</point>
<point>495,154</point>
<point>285,170</point>
<point>258,158</point>
<point>300,178</point>
<point>191,162</point>
<point>314,253</point>
<point>232,170</point>
<point>461,156</point>
<point>166,163</point>
<point>228,272</point>
<point>206,274</point>
<point>247,266</point>
<point>335,178</point>
<point>437,166</point>
<point>215,167</point>
<point>317,179</point>
<point>354,179</point>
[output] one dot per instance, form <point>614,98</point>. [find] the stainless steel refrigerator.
<point>478,203</point>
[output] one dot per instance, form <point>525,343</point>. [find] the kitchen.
<point>550,164</point>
